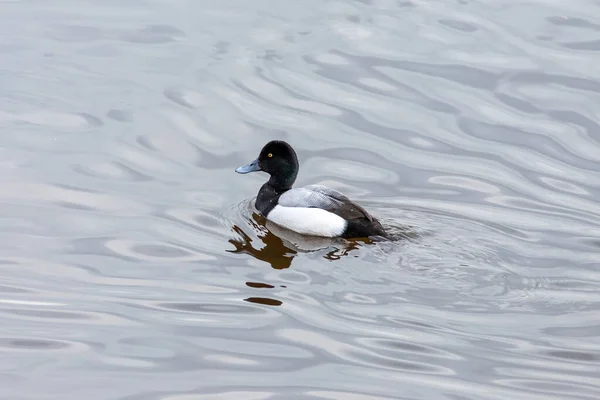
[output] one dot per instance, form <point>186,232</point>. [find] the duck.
<point>313,210</point>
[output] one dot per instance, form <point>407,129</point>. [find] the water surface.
<point>131,266</point>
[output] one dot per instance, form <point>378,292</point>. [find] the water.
<point>131,266</point>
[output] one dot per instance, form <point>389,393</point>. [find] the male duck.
<point>313,210</point>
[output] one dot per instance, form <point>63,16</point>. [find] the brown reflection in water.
<point>259,285</point>
<point>274,252</point>
<point>352,244</point>
<point>264,300</point>
<point>282,245</point>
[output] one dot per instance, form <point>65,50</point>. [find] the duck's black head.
<point>278,159</point>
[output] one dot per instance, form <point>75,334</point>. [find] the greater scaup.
<point>313,210</point>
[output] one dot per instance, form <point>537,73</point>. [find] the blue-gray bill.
<point>252,167</point>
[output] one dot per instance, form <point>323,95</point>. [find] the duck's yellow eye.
<point>270,155</point>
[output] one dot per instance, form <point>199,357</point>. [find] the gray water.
<point>132,267</point>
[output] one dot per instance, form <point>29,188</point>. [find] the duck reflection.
<point>281,245</point>
<point>264,301</point>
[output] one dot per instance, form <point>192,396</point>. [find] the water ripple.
<point>131,252</point>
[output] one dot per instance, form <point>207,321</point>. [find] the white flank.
<point>308,221</point>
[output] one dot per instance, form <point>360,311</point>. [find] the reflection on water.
<point>274,251</point>
<point>263,300</point>
<point>132,266</point>
<point>259,285</point>
<point>280,245</point>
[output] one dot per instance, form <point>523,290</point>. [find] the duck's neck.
<point>284,179</point>
<point>267,198</point>
<point>278,184</point>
